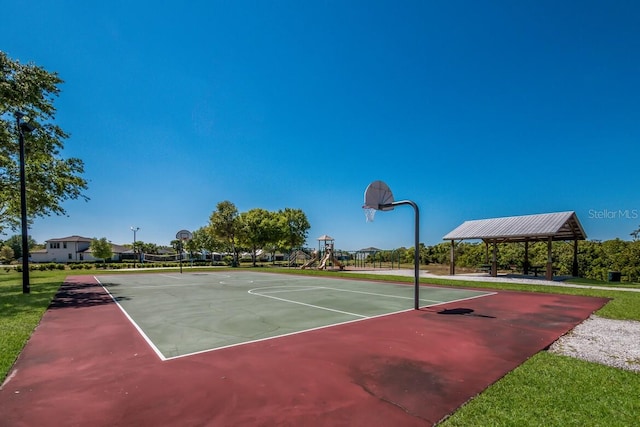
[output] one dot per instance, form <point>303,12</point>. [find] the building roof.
<point>557,226</point>
<point>71,239</point>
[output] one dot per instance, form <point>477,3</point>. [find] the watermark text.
<point>614,213</point>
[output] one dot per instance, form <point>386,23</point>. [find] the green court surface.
<point>183,314</point>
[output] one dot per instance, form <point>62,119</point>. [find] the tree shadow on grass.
<point>13,302</point>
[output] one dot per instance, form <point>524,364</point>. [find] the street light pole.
<point>134,229</point>
<point>23,127</point>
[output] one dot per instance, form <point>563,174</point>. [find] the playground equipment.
<point>298,257</point>
<point>311,262</point>
<point>378,197</point>
<point>328,256</point>
<point>324,253</point>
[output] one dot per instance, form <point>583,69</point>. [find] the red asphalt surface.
<point>86,365</point>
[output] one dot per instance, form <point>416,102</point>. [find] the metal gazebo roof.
<point>540,227</point>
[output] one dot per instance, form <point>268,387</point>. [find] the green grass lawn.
<point>552,390</point>
<point>20,313</point>
<point>548,389</point>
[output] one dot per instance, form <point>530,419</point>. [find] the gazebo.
<point>527,228</point>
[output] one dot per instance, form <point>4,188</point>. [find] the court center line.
<point>151,287</point>
<point>305,304</point>
<point>171,276</point>
<point>289,289</point>
<point>303,331</point>
<point>380,295</point>
<point>286,288</point>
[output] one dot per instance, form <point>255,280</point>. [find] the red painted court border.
<point>86,365</point>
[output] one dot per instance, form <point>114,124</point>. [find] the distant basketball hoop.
<point>378,197</point>
<point>183,236</point>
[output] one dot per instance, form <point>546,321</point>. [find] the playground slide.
<point>327,257</point>
<point>309,263</point>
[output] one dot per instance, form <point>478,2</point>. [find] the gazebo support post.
<point>452,265</point>
<point>486,252</point>
<point>549,275</point>
<point>494,260</point>
<point>574,269</point>
<point>525,267</point>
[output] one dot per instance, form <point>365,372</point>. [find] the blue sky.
<point>472,109</point>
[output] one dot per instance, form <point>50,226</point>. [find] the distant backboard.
<point>184,235</point>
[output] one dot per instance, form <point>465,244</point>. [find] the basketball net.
<point>369,213</point>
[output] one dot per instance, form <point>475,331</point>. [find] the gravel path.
<point>609,342</point>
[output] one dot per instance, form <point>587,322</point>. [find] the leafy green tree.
<point>205,239</point>
<point>440,253</point>
<point>51,179</point>
<point>224,225</point>
<point>147,248</point>
<point>177,245</point>
<point>15,243</point>
<point>137,247</point>
<point>294,228</point>
<point>6,254</point>
<point>101,248</point>
<point>256,230</point>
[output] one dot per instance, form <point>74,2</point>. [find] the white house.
<point>71,249</point>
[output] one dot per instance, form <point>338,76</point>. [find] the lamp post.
<point>134,229</point>
<point>23,127</point>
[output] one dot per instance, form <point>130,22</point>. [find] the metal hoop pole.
<point>26,287</point>
<point>416,257</point>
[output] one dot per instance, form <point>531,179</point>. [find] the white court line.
<point>287,335</point>
<point>305,304</point>
<point>286,288</point>
<point>181,285</point>
<point>321,327</point>
<point>488,294</point>
<point>135,325</point>
<point>171,276</point>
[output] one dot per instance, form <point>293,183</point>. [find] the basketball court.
<point>246,348</point>
<point>185,314</point>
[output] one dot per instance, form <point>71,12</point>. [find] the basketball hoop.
<point>369,213</point>
<point>378,197</point>
<point>184,235</point>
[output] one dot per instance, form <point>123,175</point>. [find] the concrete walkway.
<point>506,278</point>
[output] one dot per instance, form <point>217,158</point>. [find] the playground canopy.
<point>527,228</point>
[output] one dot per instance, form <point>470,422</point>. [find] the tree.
<point>205,240</point>
<point>147,248</point>
<point>224,225</point>
<point>294,227</point>
<point>101,248</point>
<point>15,243</point>
<point>51,179</point>
<point>255,230</point>
<point>6,254</point>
